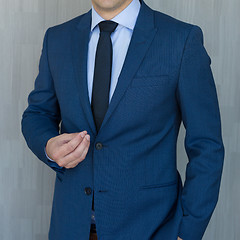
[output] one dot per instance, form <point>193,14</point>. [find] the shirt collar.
<point>126,18</point>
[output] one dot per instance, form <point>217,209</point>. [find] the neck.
<point>109,13</point>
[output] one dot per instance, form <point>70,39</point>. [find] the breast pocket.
<point>150,81</point>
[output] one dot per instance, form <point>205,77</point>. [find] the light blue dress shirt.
<point>120,41</point>
<point>121,38</point>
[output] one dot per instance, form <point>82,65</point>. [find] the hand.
<point>68,150</point>
<point>179,238</point>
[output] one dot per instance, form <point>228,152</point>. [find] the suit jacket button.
<point>98,146</point>
<point>88,190</point>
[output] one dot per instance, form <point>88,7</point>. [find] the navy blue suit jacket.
<point>138,192</point>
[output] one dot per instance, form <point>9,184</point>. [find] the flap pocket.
<point>158,185</point>
<point>150,81</point>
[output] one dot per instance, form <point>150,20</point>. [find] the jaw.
<point>109,8</point>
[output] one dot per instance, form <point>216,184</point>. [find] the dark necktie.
<point>102,72</point>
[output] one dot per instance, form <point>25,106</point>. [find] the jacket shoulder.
<point>172,25</point>
<point>170,22</point>
<point>67,26</point>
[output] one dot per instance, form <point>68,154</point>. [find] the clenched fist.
<point>68,150</point>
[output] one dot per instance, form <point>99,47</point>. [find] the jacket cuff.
<point>191,228</point>
<point>43,156</point>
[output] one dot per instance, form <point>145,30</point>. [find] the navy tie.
<point>102,72</point>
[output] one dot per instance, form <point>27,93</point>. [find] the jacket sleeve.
<point>41,119</point>
<point>199,108</point>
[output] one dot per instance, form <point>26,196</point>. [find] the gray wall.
<point>26,185</point>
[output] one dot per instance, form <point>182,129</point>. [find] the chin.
<point>108,4</point>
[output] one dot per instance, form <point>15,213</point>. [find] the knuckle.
<point>61,164</point>
<point>82,158</point>
<point>85,151</point>
<point>85,140</point>
<point>78,151</point>
<point>73,165</point>
<point>71,158</point>
<point>83,155</point>
<point>70,147</point>
<point>55,155</point>
<point>84,143</point>
<point>53,139</point>
<point>77,155</point>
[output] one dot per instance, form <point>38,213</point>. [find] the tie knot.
<point>107,26</point>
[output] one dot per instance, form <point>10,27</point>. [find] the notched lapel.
<point>142,37</point>
<point>80,39</point>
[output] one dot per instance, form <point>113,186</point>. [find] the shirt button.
<point>88,190</point>
<point>98,146</point>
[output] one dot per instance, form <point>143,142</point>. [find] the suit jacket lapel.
<point>142,37</point>
<point>80,41</point>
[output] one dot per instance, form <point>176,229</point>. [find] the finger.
<point>71,145</point>
<point>74,163</point>
<point>84,153</point>
<point>78,152</point>
<point>66,137</point>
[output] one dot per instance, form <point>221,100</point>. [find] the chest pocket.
<point>150,81</point>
